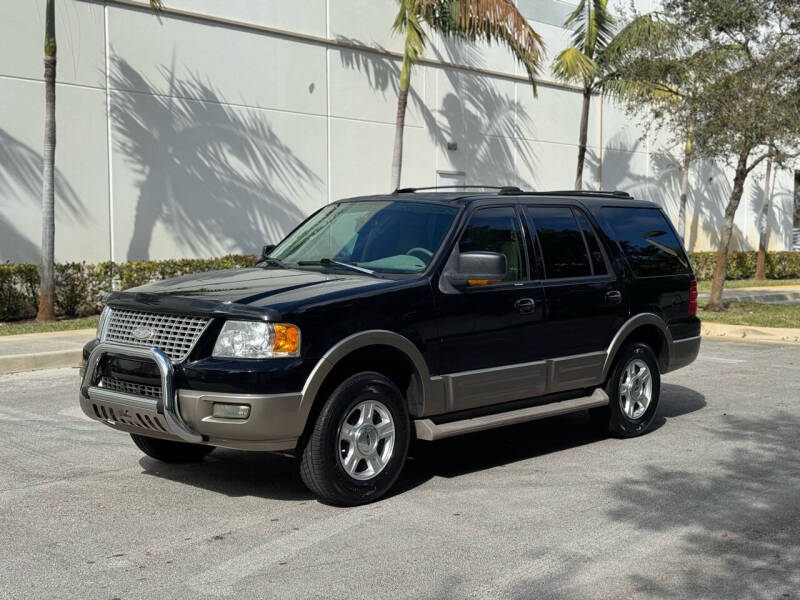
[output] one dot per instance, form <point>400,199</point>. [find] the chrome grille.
<point>126,387</point>
<point>175,335</point>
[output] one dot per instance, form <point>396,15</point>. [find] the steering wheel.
<point>426,255</point>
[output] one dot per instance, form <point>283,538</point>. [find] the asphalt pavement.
<point>705,506</point>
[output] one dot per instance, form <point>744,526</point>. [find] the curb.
<point>759,297</point>
<point>744,333</point>
<point>39,360</point>
<point>89,333</point>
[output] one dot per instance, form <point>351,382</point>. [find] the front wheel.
<point>171,452</point>
<point>633,389</point>
<point>359,442</point>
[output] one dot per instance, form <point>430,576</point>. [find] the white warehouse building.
<point>217,126</point>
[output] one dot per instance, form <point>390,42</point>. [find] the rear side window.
<point>647,240</point>
<point>598,262</point>
<point>563,247</point>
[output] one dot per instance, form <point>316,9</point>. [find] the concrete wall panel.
<point>305,16</point>
<point>220,134</point>
<point>194,178</point>
<point>362,160</point>
<point>81,172</point>
<point>364,86</point>
<point>216,63</point>
<point>79,35</point>
<point>365,22</point>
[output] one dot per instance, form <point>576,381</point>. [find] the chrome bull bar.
<point>167,404</point>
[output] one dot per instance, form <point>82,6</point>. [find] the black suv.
<point>415,314</point>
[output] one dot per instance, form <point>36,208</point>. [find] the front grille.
<point>126,387</point>
<point>175,335</point>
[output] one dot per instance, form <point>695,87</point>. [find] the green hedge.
<point>742,265</point>
<point>80,287</point>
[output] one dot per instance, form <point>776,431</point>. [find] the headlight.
<point>101,324</point>
<point>252,339</point>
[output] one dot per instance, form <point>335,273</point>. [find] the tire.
<point>614,418</point>
<point>349,458</point>
<point>171,452</point>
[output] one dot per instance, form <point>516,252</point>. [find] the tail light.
<point>692,298</point>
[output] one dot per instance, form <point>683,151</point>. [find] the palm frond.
<point>592,26</point>
<point>487,20</point>
<point>573,65</point>
<point>157,5</point>
<point>648,33</point>
<point>408,23</point>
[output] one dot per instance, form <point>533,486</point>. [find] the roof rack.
<point>502,189</point>
<point>590,193</point>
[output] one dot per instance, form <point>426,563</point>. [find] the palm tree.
<point>47,266</point>
<point>583,62</point>
<point>471,20</point>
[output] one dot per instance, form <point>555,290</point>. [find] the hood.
<point>254,291</point>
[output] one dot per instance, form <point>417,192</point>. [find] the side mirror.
<point>478,268</point>
<point>266,250</point>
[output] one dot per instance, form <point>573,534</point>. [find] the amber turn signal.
<point>287,340</point>
<point>482,281</point>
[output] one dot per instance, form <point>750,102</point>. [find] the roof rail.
<point>503,189</point>
<point>590,193</point>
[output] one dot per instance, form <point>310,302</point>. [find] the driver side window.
<point>497,229</point>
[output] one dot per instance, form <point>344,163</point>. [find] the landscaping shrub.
<point>80,287</point>
<point>742,265</point>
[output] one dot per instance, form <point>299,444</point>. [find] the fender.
<point>628,327</point>
<point>432,391</point>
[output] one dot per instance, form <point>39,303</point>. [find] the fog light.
<point>230,411</point>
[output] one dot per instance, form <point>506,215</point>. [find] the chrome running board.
<point>428,430</point>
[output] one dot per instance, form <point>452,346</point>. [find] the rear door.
<point>584,300</point>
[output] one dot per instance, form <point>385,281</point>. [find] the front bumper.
<point>274,423</point>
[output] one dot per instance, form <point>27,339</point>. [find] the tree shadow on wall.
<point>21,184</point>
<point>712,192</point>
<point>383,75</point>
<point>211,173</point>
<point>486,124</point>
<point>483,122</point>
<point>737,523</point>
<point>777,215</point>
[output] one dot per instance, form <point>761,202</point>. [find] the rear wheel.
<point>169,451</point>
<point>633,389</point>
<point>359,442</point>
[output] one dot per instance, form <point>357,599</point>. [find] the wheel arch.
<point>386,352</point>
<point>644,327</point>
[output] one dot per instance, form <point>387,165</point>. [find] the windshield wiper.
<point>330,261</point>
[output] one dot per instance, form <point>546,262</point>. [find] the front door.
<point>481,328</point>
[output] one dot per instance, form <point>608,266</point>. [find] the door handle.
<point>613,297</point>
<point>525,305</point>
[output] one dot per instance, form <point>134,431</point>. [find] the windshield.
<point>383,236</point>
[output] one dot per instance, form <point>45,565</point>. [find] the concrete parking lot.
<point>705,506</point>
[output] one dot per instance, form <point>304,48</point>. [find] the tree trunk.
<point>47,267</point>
<point>587,98</point>
<point>687,160</point>
<point>721,268</point>
<point>397,156</point>
<point>763,227</point>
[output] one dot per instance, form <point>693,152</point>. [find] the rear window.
<point>647,240</point>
